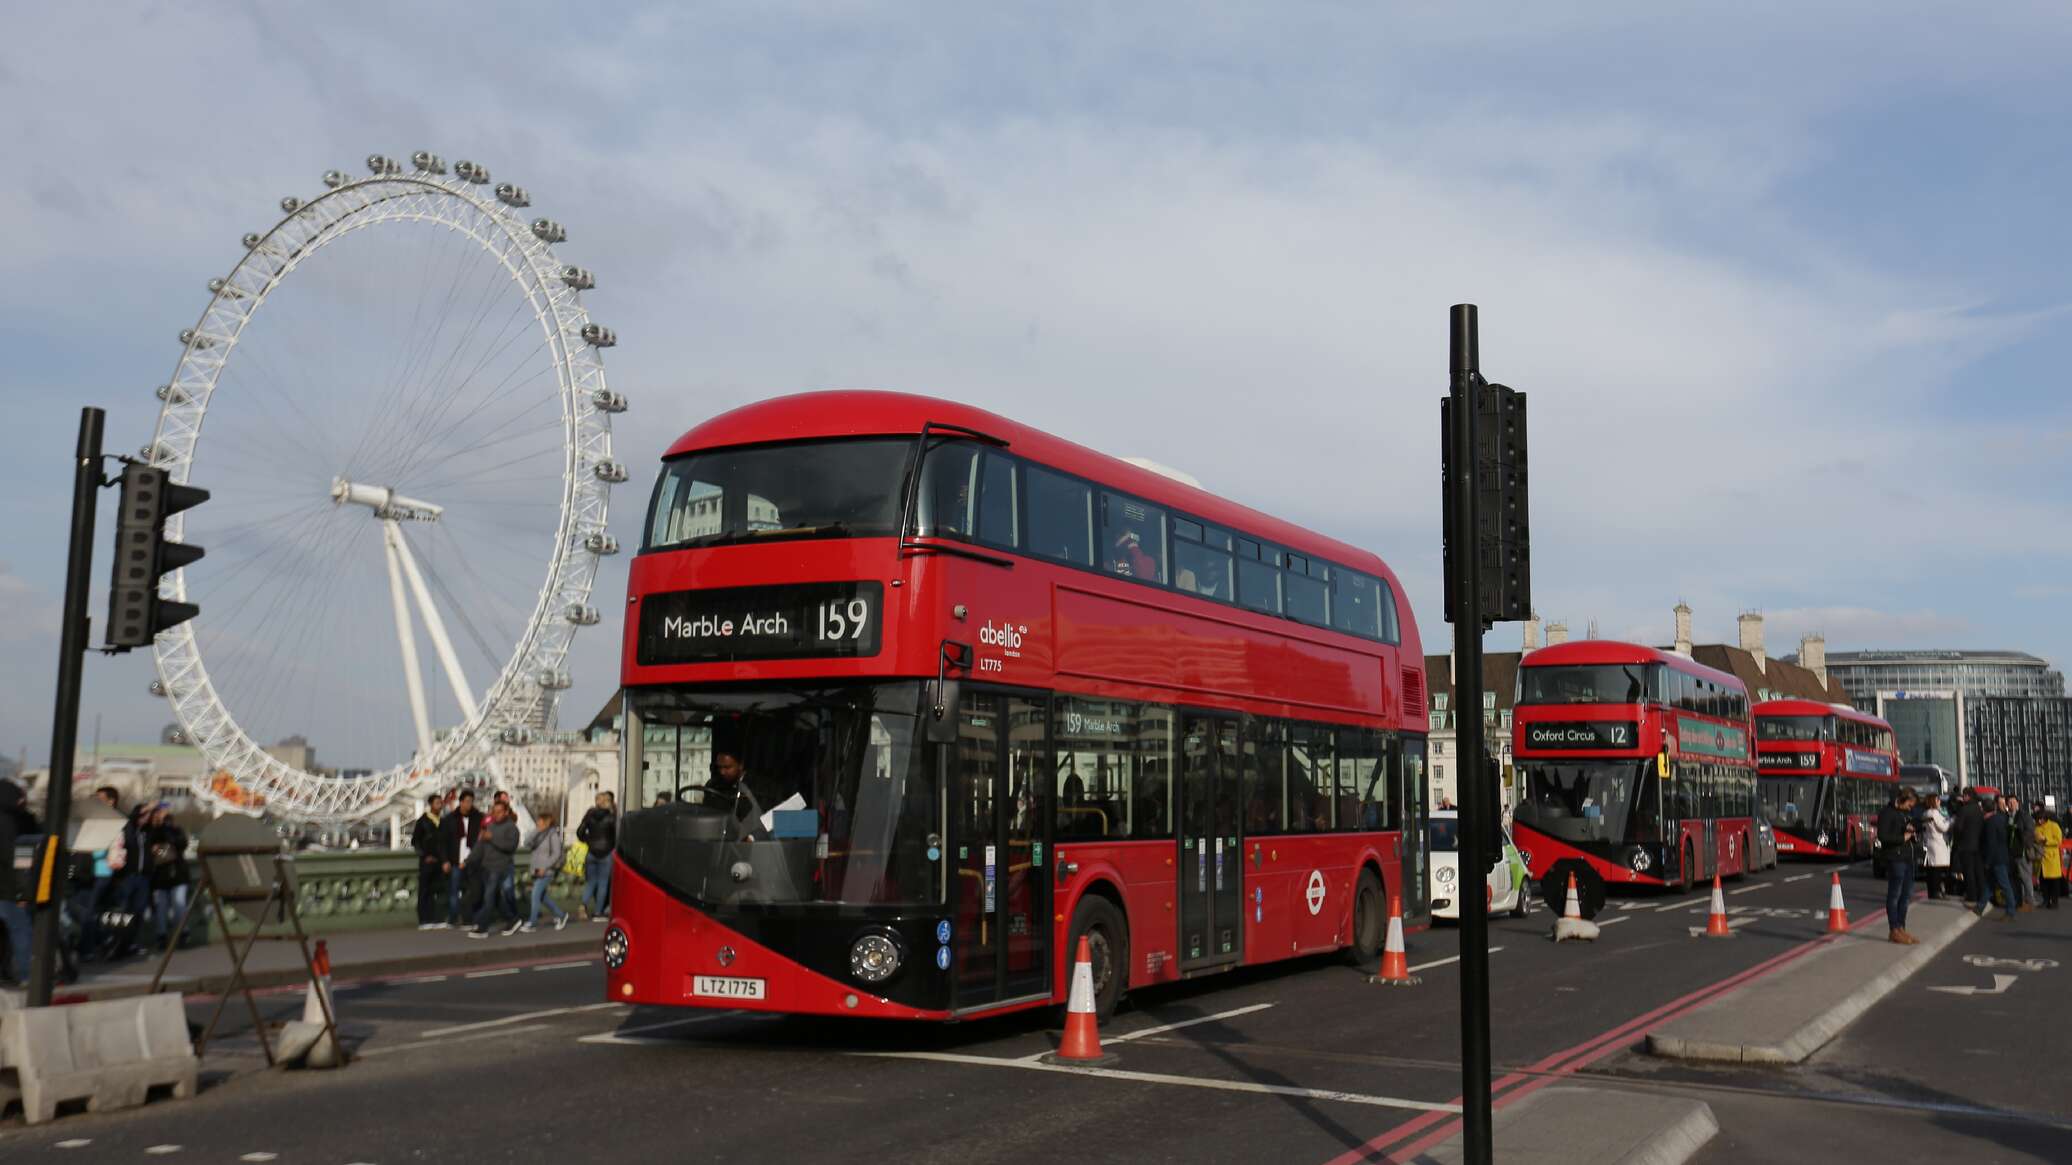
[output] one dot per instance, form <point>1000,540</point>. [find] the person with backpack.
<point>1896,838</point>
<point>165,843</point>
<point>14,917</point>
<point>2024,849</point>
<point>599,831</point>
<point>1967,835</point>
<point>1995,856</point>
<point>430,847</point>
<point>548,850</point>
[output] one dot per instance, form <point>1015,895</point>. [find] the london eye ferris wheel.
<point>397,401</point>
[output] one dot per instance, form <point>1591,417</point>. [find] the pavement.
<point>1298,1062</point>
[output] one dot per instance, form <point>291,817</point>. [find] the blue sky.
<point>1786,285</point>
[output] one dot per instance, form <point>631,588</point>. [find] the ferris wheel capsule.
<point>578,278</point>
<point>158,687</point>
<point>290,204</point>
<point>334,178</point>
<point>381,164</point>
<point>468,171</point>
<point>428,162</point>
<point>546,230</point>
<point>608,401</point>
<point>171,393</point>
<point>511,195</point>
<point>611,471</point>
<point>582,614</point>
<point>599,335</point>
<point>601,543</point>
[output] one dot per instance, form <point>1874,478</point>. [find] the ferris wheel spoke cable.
<point>417,345</point>
<point>266,385</point>
<point>430,436</point>
<point>493,437</point>
<point>429,427</point>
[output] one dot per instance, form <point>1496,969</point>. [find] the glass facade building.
<point>1997,718</point>
<point>1975,673</point>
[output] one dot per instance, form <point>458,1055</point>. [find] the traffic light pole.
<point>1476,811</point>
<point>47,877</point>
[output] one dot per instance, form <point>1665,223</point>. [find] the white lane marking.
<point>1732,925</point>
<point>632,1035</point>
<point>74,1143</point>
<point>1750,889</point>
<point>1185,1081</point>
<point>449,1040</point>
<point>259,1156</point>
<point>1796,878</point>
<point>1443,962</point>
<point>422,979</point>
<point>1698,901</point>
<point>1636,904</point>
<point>1616,921</point>
<point>511,1019</point>
<point>1167,1027</point>
<point>566,966</point>
<point>162,1150</point>
<point>495,973</point>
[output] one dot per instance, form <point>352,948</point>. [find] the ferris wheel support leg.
<point>441,643</point>
<point>391,540</point>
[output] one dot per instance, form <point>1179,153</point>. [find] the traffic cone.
<point>1572,924</point>
<point>1716,921</point>
<point>1082,1042</point>
<point>1395,963</point>
<point>324,1053</point>
<point>1837,914</point>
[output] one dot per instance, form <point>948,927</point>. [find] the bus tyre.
<point>1370,920</point>
<point>1690,866</point>
<point>1107,937</point>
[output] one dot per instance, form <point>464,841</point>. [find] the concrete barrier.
<point>108,1054</point>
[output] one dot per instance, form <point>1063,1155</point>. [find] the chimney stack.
<point>1752,638</point>
<point>1557,633</point>
<point>1683,629</point>
<point>1813,656</point>
<point>1532,633</point>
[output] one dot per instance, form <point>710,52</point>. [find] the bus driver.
<point>728,789</point>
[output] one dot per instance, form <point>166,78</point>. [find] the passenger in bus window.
<point>1130,559</point>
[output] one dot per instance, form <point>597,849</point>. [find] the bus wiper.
<point>839,529</point>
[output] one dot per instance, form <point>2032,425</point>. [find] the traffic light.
<point>142,555</point>
<point>1503,541</point>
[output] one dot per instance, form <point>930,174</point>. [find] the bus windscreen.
<point>1592,802</point>
<point>1794,728</point>
<point>848,488</point>
<point>1790,802</point>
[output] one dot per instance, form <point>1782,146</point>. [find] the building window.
<point>1439,701</point>
<point>1489,699</point>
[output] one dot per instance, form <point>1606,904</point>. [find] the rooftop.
<point>1936,655</point>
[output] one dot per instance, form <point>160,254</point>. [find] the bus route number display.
<point>809,620</point>
<point>1583,734</point>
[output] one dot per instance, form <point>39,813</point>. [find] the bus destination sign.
<point>1807,761</point>
<point>806,621</point>
<point>1583,734</point>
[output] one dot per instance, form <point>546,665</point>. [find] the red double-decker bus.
<point>1638,766</point>
<point>931,695</point>
<point>1826,770</point>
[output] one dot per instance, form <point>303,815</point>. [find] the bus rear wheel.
<point>1370,920</point>
<point>1107,936</point>
<point>1690,866</point>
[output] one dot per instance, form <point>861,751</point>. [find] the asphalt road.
<point>1303,1062</point>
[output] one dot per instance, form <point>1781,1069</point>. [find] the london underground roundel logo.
<point>1315,894</point>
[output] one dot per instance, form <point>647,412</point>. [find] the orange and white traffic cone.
<point>1082,1042</point>
<point>1572,924</point>
<point>1837,914</point>
<point>1395,962</point>
<point>1716,920</point>
<point>315,1002</point>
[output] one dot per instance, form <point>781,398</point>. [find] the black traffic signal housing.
<point>143,555</point>
<point>1503,538</point>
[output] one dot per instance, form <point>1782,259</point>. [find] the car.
<point>1509,887</point>
<point>1765,845</point>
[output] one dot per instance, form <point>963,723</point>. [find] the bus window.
<point>1305,591</point>
<point>1584,684</point>
<point>1095,765</point>
<point>1362,780</point>
<point>1060,516</point>
<point>999,514</point>
<point>1152,817</point>
<point>1262,757</point>
<point>1356,604</point>
<point>830,488</point>
<point>1133,537</point>
<point>1311,779</point>
<point>949,491</point>
<point>1258,577</point>
<point>1201,560</point>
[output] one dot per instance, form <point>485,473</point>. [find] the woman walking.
<point>1935,840</point>
<point>2050,862</point>
<point>549,850</point>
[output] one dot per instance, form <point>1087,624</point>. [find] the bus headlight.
<point>874,958</point>
<point>615,948</point>
<point>1445,875</point>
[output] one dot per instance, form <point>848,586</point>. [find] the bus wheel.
<point>1370,920</point>
<point>1690,866</point>
<point>1108,949</point>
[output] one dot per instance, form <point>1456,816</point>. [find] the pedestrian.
<point>496,865</point>
<point>2024,851</point>
<point>548,850</point>
<point>1995,856</point>
<point>1969,830</point>
<point>166,845</point>
<point>457,833</point>
<point>426,839</point>
<point>1935,847</point>
<point>2050,863</point>
<point>600,831</point>
<point>14,918</point>
<point>1896,838</point>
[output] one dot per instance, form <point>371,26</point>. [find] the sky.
<point>1785,284</point>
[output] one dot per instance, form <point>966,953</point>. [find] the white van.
<point>1509,887</point>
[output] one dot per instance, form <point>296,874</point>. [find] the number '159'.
<point>840,620</point>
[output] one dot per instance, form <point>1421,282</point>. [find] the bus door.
<point>1210,870</point>
<point>1416,824</point>
<point>999,807</point>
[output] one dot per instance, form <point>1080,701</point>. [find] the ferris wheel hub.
<point>385,502</point>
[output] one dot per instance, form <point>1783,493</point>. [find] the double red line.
<point>1530,1079</point>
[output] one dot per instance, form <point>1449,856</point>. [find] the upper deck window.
<point>1623,683</point>
<point>1061,516</point>
<point>969,492</point>
<point>828,489</point>
<point>1133,537</point>
<point>1795,728</point>
<point>1201,560</point>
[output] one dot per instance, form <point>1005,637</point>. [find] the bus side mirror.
<point>940,712</point>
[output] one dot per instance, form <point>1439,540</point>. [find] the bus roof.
<point>1612,651</point>
<point>811,416</point>
<point>1794,707</point>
